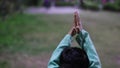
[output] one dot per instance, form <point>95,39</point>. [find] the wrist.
<point>70,34</point>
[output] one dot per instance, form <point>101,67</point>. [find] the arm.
<point>85,42</point>
<point>54,60</point>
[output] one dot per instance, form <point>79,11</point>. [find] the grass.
<point>28,40</point>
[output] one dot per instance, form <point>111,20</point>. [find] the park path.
<point>51,10</point>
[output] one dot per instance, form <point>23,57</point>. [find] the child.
<point>65,56</point>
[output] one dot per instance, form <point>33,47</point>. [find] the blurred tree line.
<point>12,6</point>
<point>9,7</point>
<point>112,5</point>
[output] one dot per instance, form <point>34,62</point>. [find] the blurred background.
<point>31,29</point>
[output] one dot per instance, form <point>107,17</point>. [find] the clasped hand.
<point>77,26</point>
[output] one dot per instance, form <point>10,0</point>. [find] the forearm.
<point>54,60</point>
<point>87,44</point>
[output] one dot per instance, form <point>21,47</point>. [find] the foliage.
<point>65,3</point>
<point>91,5</point>
<point>31,2</point>
<point>112,6</point>
<point>95,5</point>
<point>9,7</point>
<point>40,2</point>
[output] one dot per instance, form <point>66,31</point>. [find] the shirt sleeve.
<point>54,60</point>
<point>86,43</point>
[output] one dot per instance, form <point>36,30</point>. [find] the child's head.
<point>73,57</point>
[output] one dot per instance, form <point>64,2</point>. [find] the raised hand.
<point>77,26</point>
<point>77,23</point>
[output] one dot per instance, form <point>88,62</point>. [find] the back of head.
<point>73,57</point>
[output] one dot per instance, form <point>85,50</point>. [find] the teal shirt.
<point>84,41</point>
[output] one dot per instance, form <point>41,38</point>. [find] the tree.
<point>9,6</point>
<point>81,3</point>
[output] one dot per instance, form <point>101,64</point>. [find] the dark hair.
<point>73,57</point>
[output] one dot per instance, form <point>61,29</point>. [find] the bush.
<point>64,3</point>
<point>91,6</point>
<point>112,6</point>
<point>33,2</point>
<point>9,7</point>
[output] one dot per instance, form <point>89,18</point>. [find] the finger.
<point>78,19</point>
<point>78,29</point>
<point>74,31</point>
<point>79,22</point>
<point>75,19</point>
<point>72,27</point>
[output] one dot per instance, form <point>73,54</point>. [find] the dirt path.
<point>52,10</point>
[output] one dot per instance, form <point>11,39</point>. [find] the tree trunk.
<point>81,3</point>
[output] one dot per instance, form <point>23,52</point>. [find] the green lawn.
<point>27,41</point>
